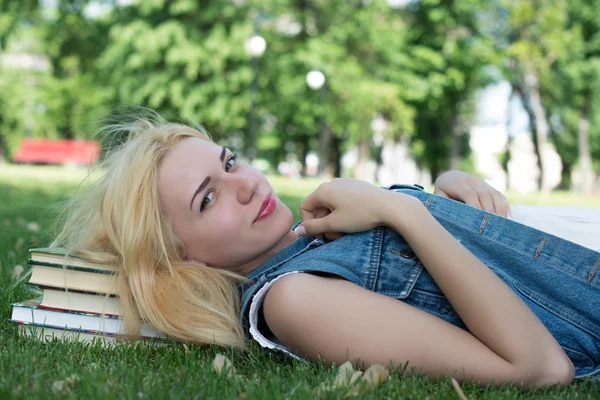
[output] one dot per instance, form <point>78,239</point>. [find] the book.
<point>58,256</point>
<point>90,302</point>
<point>79,300</point>
<point>73,277</point>
<point>42,332</point>
<point>29,312</point>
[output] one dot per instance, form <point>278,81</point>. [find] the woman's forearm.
<point>489,308</point>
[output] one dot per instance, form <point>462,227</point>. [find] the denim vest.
<point>557,279</point>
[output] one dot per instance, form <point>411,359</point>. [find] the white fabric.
<point>255,305</point>
<point>576,224</point>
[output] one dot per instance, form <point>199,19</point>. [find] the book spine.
<point>65,289</point>
<point>71,267</point>
<point>88,331</point>
<point>79,312</point>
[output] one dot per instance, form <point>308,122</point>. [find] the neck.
<point>250,266</point>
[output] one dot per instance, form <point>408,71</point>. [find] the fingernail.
<point>300,230</point>
<point>509,214</point>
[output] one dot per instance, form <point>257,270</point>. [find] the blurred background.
<point>381,90</point>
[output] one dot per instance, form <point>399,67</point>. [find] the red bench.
<point>58,151</point>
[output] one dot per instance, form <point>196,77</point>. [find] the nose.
<point>246,187</point>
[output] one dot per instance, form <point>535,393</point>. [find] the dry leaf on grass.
<point>222,365</point>
<point>19,243</point>
<point>356,381</point>
<point>17,272</point>
<point>375,375</point>
<point>346,375</point>
<point>64,387</point>
<point>459,391</point>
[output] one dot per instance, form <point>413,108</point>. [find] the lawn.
<point>30,369</point>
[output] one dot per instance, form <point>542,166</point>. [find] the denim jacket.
<point>558,280</point>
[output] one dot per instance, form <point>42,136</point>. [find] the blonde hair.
<point>118,219</point>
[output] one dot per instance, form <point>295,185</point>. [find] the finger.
<point>333,235</point>
<point>309,205</point>
<point>321,212</point>
<point>485,198</point>
<point>469,196</point>
<point>314,227</point>
<point>500,204</point>
<point>440,192</point>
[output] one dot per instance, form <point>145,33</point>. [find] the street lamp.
<point>315,80</point>
<point>398,3</point>
<point>255,47</point>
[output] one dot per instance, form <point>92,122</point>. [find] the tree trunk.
<point>541,128</point>
<point>324,143</point>
<point>509,136</point>
<point>364,151</point>
<point>336,159</point>
<point>583,148</point>
<point>455,144</point>
<point>303,154</point>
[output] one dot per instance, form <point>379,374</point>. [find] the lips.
<point>266,208</point>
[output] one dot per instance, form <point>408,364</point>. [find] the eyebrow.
<point>207,179</point>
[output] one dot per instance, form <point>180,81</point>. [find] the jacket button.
<point>407,254</point>
<point>404,253</point>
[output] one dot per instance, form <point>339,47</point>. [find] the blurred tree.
<point>350,42</point>
<point>574,96</point>
<point>77,92</point>
<point>183,58</point>
<point>13,15</point>
<point>450,52</point>
<point>533,35</point>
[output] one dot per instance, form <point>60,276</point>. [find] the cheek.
<point>227,224</point>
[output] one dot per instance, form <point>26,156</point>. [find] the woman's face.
<point>223,210</point>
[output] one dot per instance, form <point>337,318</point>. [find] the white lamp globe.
<point>315,79</point>
<point>398,3</point>
<point>255,46</point>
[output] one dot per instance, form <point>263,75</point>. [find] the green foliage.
<point>449,51</point>
<point>575,85</point>
<point>12,100</point>
<point>175,58</point>
<point>417,66</point>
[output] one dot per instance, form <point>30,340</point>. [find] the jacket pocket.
<point>401,275</point>
<point>396,269</point>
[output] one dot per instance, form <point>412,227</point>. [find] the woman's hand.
<point>342,205</point>
<point>457,185</point>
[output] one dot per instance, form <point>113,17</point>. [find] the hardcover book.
<point>28,312</point>
<point>58,256</point>
<point>90,302</point>
<point>67,277</point>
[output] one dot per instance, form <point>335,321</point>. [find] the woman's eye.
<point>206,200</point>
<point>230,163</point>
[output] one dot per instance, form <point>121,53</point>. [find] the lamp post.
<point>255,47</point>
<point>315,80</point>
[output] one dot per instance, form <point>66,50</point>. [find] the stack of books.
<point>79,300</point>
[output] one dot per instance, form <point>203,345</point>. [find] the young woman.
<point>208,255</point>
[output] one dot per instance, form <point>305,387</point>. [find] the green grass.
<point>31,369</point>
